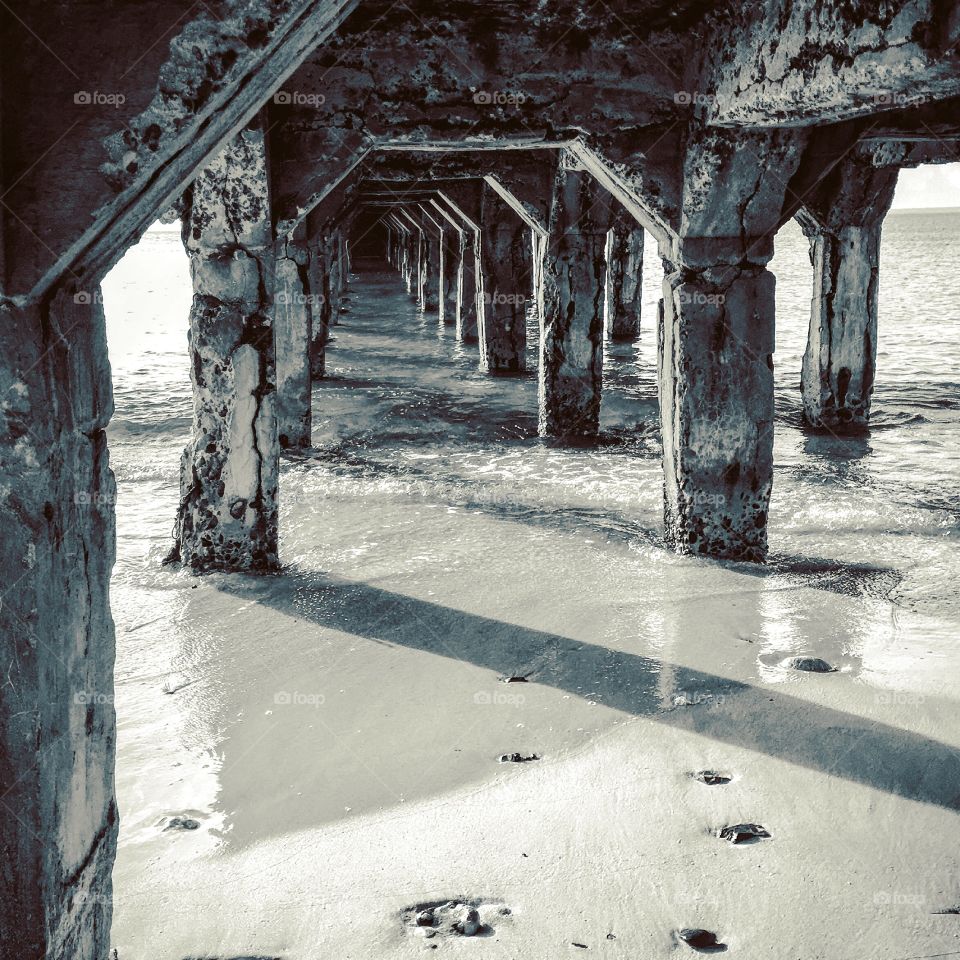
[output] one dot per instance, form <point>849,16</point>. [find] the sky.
<point>934,185</point>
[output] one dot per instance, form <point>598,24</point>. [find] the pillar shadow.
<point>761,719</point>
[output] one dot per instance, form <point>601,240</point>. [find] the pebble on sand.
<point>742,832</point>
<point>451,918</point>
<point>808,665</point>
<point>711,777</point>
<point>700,939</point>
<point>182,823</point>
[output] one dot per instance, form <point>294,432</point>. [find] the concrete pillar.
<point>716,402</point>
<point>333,262</point>
<point>417,255</point>
<point>406,254</point>
<point>58,829</point>
<point>537,278</point>
<point>571,341</point>
<point>388,235</point>
<point>624,286</point>
<point>506,285</point>
<point>292,331</point>
<point>401,248</point>
<point>344,250</point>
<point>227,518</point>
<point>432,262</point>
<point>470,305</point>
<point>717,338</point>
<point>319,318</point>
<point>840,360</point>
<point>462,202</point>
<point>452,277</point>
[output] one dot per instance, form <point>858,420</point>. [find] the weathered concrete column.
<point>716,402</point>
<point>452,278</point>
<point>333,262</point>
<point>624,283</point>
<point>844,232</point>
<point>407,254</point>
<point>388,242</point>
<point>506,286</point>
<point>319,320</point>
<point>58,829</point>
<point>292,332</point>
<point>571,341</point>
<point>401,247</point>
<point>432,262</point>
<point>417,255</point>
<point>463,200</point>
<point>717,342</point>
<point>227,518</point>
<point>469,306</point>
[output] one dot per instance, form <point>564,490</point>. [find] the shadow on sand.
<point>764,720</point>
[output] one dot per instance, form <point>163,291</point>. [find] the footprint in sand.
<point>454,918</point>
<point>703,941</point>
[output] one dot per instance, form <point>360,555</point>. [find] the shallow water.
<point>431,544</point>
<point>405,406</point>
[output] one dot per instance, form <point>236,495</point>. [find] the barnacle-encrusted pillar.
<point>227,518</point>
<point>292,330</point>
<point>717,343</point>
<point>506,286</point>
<point>571,341</point>
<point>58,829</point>
<point>844,232</point>
<point>624,276</point>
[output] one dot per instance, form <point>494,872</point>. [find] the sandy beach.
<point>307,760</point>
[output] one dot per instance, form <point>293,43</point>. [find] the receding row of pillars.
<point>262,312</point>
